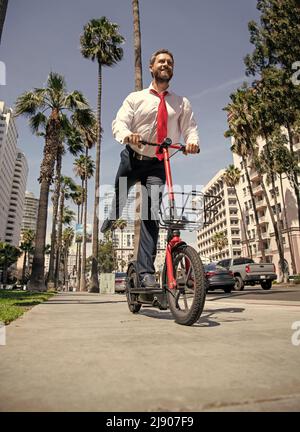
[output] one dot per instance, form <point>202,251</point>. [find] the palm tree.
<point>67,187</point>
<point>283,163</point>
<point>8,256</point>
<point>138,86</point>
<point>77,197</point>
<point>220,240</point>
<point>137,46</point>
<point>232,178</point>
<point>74,143</point>
<point>121,224</point>
<point>34,104</point>
<point>100,41</point>
<point>84,168</point>
<point>27,247</point>
<point>67,239</point>
<point>243,129</point>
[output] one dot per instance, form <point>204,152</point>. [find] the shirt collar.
<point>151,87</point>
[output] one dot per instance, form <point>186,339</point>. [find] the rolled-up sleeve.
<point>121,125</point>
<point>188,125</point>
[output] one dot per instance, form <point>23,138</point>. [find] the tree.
<point>34,104</point>
<point>75,145</point>
<point>67,187</point>
<point>84,167</point>
<point>220,240</point>
<point>137,46</point>
<point>232,178</point>
<point>121,224</point>
<point>242,124</point>
<point>276,49</point>
<point>8,256</point>
<point>100,42</point>
<point>67,239</point>
<point>27,247</point>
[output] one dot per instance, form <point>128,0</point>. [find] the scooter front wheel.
<point>132,282</point>
<point>186,301</point>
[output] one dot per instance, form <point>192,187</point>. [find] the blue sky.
<point>209,39</point>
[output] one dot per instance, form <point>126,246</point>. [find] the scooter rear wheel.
<point>186,301</point>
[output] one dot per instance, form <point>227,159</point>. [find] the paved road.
<point>289,293</point>
<point>87,352</point>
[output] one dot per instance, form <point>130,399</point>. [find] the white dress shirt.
<point>138,114</point>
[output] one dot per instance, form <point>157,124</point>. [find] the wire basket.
<point>192,210</point>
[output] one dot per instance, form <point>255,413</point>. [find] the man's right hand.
<point>134,139</point>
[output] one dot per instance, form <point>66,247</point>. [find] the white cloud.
<point>220,87</point>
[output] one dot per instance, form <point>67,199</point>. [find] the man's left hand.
<point>191,148</point>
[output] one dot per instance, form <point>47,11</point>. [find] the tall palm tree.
<point>137,46</point>
<point>100,42</point>
<point>67,239</point>
<point>121,224</point>
<point>67,187</point>
<point>27,247</point>
<point>74,144</point>
<point>232,178</point>
<point>77,197</point>
<point>283,162</point>
<point>84,168</point>
<point>243,129</point>
<point>53,98</point>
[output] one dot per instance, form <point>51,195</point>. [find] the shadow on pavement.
<point>204,321</point>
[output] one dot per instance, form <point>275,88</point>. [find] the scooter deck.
<point>146,291</point>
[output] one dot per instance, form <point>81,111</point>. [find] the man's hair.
<point>161,51</point>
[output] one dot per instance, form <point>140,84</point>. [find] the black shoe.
<point>107,225</point>
<point>149,282</point>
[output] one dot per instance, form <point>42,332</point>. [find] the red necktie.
<point>162,121</point>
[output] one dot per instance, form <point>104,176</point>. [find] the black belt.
<point>142,157</point>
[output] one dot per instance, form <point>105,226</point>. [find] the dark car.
<point>218,277</point>
<point>120,282</point>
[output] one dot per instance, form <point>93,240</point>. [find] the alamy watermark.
<point>296,335</point>
<point>296,75</point>
<point>2,73</point>
<point>2,333</point>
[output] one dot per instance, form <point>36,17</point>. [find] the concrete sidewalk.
<point>87,352</point>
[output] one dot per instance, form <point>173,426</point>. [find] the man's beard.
<point>161,79</point>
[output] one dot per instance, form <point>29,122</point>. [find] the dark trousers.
<point>151,174</point>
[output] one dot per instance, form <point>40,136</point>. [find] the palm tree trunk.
<point>78,273</point>
<point>83,263</point>
<point>24,266</point>
<point>95,246</point>
<point>59,238</point>
<point>37,280</point>
<point>295,175</point>
<point>249,251</point>
<point>258,228</point>
<point>287,228</point>
<point>54,215</point>
<point>137,46</point>
<point>275,227</point>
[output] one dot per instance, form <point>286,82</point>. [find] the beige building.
<point>227,220</point>
<point>265,222</point>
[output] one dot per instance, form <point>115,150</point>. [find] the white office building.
<point>227,221</point>
<point>13,177</point>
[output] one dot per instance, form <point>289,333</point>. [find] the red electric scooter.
<point>183,285</point>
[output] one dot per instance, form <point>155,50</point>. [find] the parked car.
<point>218,277</point>
<point>120,282</point>
<point>247,272</point>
